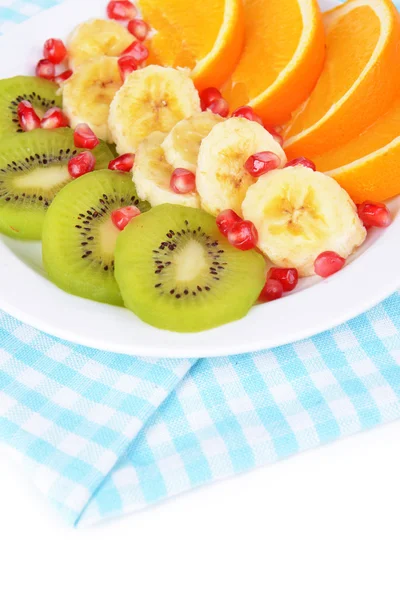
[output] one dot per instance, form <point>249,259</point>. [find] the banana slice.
<point>97,37</point>
<point>151,99</point>
<point>299,214</point>
<point>87,95</point>
<point>152,175</point>
<point>222,180</point>
<point>182,144</point>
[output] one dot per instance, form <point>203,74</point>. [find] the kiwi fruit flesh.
<point>41,93</point>
<point>177,272</point>
<point>79,237</point>
<point>33,169</point>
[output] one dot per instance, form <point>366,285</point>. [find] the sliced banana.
<point>152,99</point>
<point>87,95</point>
<point>222,180</point>
<point>97,37</point>
<point>299,214</point>
<point>182,144</point>
<point>152,174</point>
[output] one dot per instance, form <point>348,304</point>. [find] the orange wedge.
<point>368,167</point>
<point>282,58</point>
<point>359,81</point>
<point>206,36</point>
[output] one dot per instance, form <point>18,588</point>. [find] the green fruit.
<point>42,94</point>
<point>79,237</point>
<point>33,169</point>
<point>177,272</point>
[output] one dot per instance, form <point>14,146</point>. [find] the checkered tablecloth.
<point>103,434</point>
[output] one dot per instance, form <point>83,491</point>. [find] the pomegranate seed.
<point>84,137</point>
<point>53,119</point>
<point>226,220</point>
<point>81,164</point>
<point>123,216</point>
<point>139,29</point>
<point>45,69</point>
<point>59,79</point>
<point>183,181</point>
<point>374,214</point>
<point>209,95</point>
<point>246,112</point>
<point>243,235</point>
<point>121,10</point>
<point>127,64</point>
<point>303,162</point>
<point>138,51</point>
<point>328,263</point>
<point>277,136</point>
<point>55,51</point>
<point>220,107</point>
<point>289,278</point>
<point>262,162</point>
<point>124,163</point>
<point>272,290</point>
<point>27,116</point>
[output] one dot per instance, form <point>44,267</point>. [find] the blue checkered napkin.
<point>103,434</point>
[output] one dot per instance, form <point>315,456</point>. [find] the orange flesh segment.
<point>270,54</point>
<point>362,27</point>
<point>376,137</point>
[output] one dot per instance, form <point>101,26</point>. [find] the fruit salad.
<point>165,173</point>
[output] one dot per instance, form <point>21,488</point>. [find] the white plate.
<point>317,305</point>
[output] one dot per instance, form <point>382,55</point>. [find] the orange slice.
<point>368,167</point>
<point>359,81</point>
<point>282,58</point>
<point>207,36</point>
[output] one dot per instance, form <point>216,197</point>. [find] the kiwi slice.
<point>79,237</point>
<point>41,93</point>
<point>33,168</point>
<point>176,271</point>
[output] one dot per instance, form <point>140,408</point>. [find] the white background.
<point>324,525</point>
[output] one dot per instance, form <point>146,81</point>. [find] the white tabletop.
<point>324,525</point>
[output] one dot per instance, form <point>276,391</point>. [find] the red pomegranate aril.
<point>27,117</point>
<point>123,216</point>
<point>139,29</point>
<point>260,163</point>
<point>272,290</point>
<point>124,163</point>
<point>84,137</point>
<point>328,263</point>
<point>220,107</point>
<point>121,10</point>
<point>53,119</point>
<point>289,278</point>
<point>81,164</point>
<point>226,220</point>
<point>374,214</point>
<point>127,64</point>
<point>137,51</point>
<point>246,112</point>
<point>243,235</point>
<point>59,79</point>
<point>45,69</point>
<point>207,96</point>
<point>54,50</point>
<point>302,161</point>
<point>183,181</point>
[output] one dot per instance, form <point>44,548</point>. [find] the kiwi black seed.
<point>41,93</point>
<point>79,237</point>
<point>33,169</point>
<point>177,272</point>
